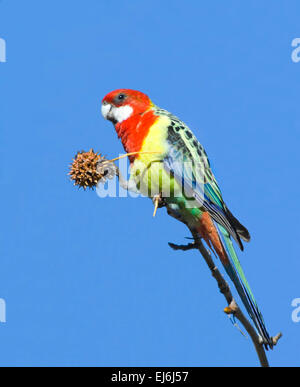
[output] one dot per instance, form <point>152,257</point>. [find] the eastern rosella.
<point>170,162</point>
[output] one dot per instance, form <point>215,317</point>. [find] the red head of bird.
<point>121,104</point>
<point>130,112</point>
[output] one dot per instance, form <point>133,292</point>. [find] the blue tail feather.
<point>236,274</point>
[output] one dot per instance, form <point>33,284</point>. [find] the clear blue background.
<point>91,281</point>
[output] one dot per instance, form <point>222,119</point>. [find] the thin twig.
<point>233,307</point>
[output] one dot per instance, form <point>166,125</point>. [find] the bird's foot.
<point>189,246</point>
<point>106,169</point>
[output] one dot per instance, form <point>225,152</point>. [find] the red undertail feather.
<point>209,233</point>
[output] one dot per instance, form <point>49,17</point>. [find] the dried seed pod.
<point>84,171</point>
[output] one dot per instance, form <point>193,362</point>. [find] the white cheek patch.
<point>121,113</point>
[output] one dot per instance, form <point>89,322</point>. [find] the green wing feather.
<point>189,163</point>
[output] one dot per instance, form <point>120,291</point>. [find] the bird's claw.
<point>107,169</point>
<point>189,246</point>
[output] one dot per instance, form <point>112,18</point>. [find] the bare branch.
<point>224,288</point>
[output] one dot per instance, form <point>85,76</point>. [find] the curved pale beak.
<point>105,109</point>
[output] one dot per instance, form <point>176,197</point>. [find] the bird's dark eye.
<point>121,97</point>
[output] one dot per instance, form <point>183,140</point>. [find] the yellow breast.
<point>147,170</point>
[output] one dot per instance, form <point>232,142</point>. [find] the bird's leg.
<point>123,182</point>
<point>189,246</point>
<point>128,185</point>
<point>172,211</point>
<point>106,169</point>
<point>109,170</point>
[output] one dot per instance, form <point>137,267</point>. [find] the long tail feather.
<point>236,274</point>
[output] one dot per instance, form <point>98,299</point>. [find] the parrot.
<point>167,162</point>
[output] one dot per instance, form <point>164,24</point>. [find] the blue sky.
<point>90,281</point>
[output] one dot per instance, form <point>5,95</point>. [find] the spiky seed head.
<point>83,170</point>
